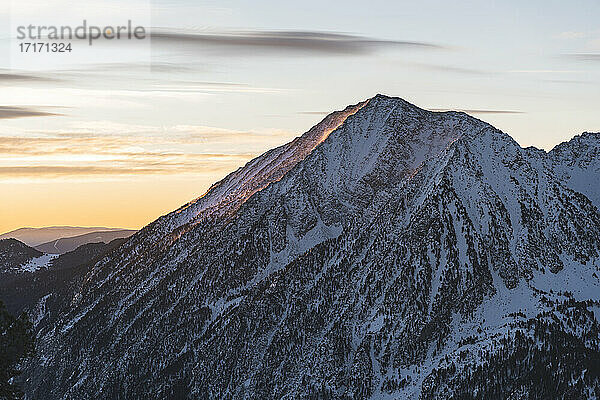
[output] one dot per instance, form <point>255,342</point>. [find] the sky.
<point>120,132</point>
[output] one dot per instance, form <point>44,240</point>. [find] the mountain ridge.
<point>37,236</point>
<point>14,254</point>
<point>392,260</point>
<point>66,244</point>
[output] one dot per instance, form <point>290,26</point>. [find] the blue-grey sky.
<point>222,81</point>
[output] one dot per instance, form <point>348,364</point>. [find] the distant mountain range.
<point>388,253</point>
<point>66,244</point>
<point>62,239</point>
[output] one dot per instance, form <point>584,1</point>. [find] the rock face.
<point>390,252</point>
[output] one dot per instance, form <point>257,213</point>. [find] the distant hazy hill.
<point>66,244</point>
<point>37,236</point>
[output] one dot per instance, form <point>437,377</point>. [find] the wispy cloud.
<point>154,66</point>
<point>199,164</point>
<point>135,79</point>
<point>206,88</point>
<point>570,81</point>
<point>584,56</point>
<point>68,143</point>
<point>291,41</point>
<point>313,112</point>
<point>11,112</point>
<point>572,35</point>
<point>58,171</point>
<point>6,77</point>
<point>454,69</point>
<point>543,71</point>
<point>183,150</point>
<point>475,111</point>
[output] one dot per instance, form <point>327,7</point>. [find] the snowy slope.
<point>578,164</point>
<point>389,252</point>
<point>37,263</point>
<point>226,195</point>
<point>16,256</point>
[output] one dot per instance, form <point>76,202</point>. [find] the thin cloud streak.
<point>155,66</point>
<point>124,167</point>
<point>16,78</point>
<point>569,81</point>
<point>543,71</point>
<point>313,112</point>
<point>584,56</point>
<point>471,111</point>
<point>113,145</point>
<point>571,35</point>
<point>210,84</point>
<point>12,112</point>
<point>446,68</point>
<point>57,171</point>
<point>177,150</point>
<point>298,41</point>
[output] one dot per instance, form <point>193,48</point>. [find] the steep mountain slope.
<point>390,252</point>
<point>67,244</point>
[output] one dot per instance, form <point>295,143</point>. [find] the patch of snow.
<point>38,263</point>
<point>40,309</point>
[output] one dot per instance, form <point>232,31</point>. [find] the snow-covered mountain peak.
<point>584,146</point>
<point>393,138</point>
<point>380,132</point>
<point>577,162</point>
<point>228,194</point>
<point>389,252</point>
<point>591,136</point>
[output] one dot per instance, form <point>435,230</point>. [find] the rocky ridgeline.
<point>390,252</point>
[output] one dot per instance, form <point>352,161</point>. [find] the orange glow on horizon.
<point>122,203</point>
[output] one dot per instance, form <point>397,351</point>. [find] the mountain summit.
<point>389,252</point>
